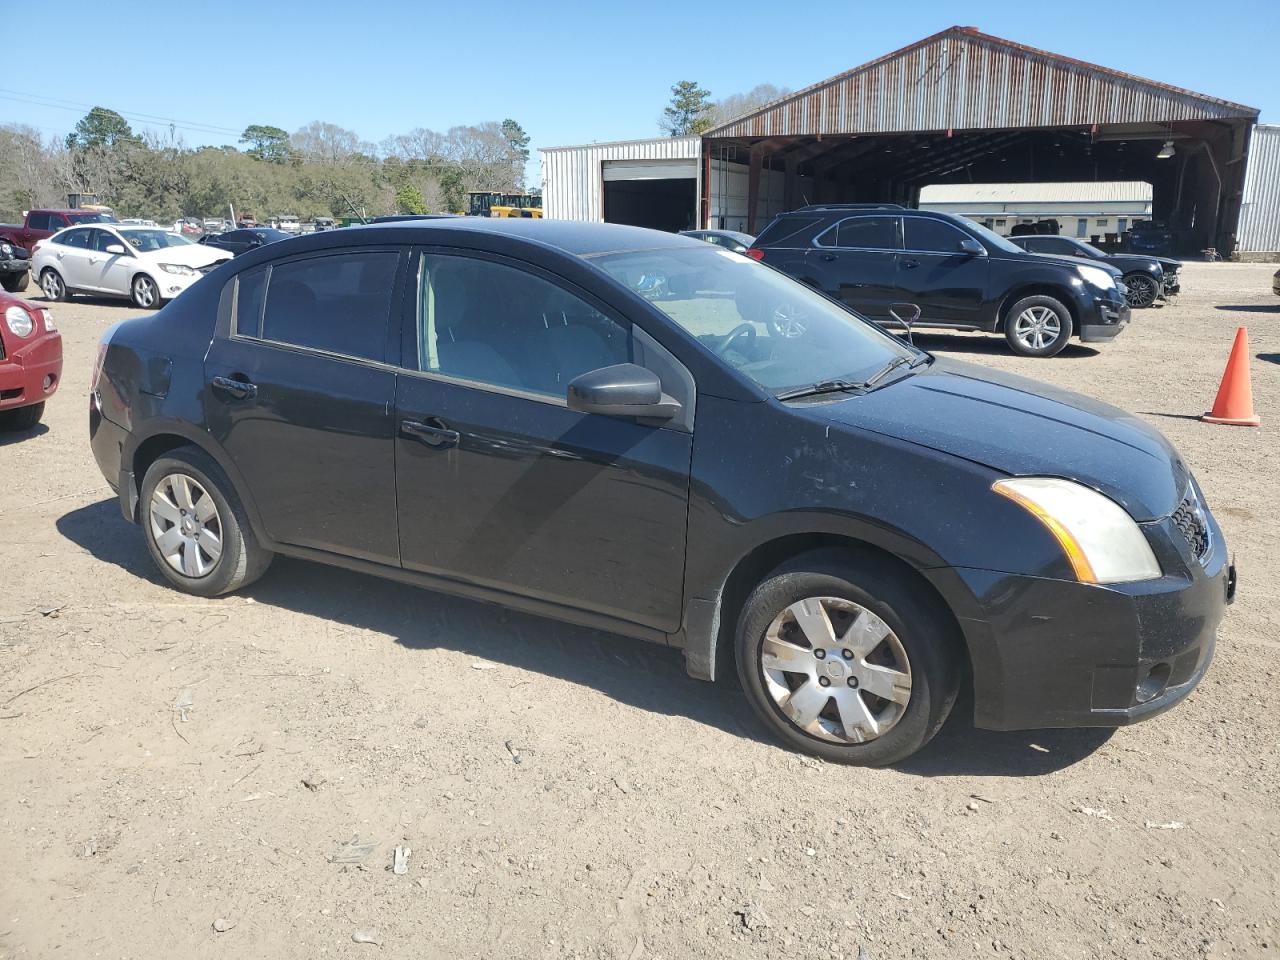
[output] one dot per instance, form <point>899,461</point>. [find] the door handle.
<point>236,388</point>
<point>910,264</point>
<point>432,435</point>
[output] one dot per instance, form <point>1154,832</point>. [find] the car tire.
<point>22,418</point>
<point>859,597</point>
<point>16,284</point>
<point>173,495</point>
<point>1038,326</point>
<point>1143,291</point>
<point>54,287</point>
<point>144,292</point>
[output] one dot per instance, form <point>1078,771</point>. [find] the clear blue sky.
<point>568,72</point>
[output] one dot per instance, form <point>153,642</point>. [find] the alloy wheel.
<point>1037,327</point>
<point>836,670</point>
<point>185,525</point>
<point>1141,291</point>
<point>144,292</point>
<point>51,284</point>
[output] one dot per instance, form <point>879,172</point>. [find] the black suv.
<point>1146,279</point>
<point>960,274</point>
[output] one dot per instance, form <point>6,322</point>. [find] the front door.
<point>947,283</point>
<point>500,484</point>
<point>854,261</point>
<point>299,396</point>
<point>113,270</point>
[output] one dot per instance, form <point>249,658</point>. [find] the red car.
<point>30,361</point>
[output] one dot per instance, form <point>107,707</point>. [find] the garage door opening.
<point>658,204</point>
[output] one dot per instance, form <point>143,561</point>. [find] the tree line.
<point>320,170</point>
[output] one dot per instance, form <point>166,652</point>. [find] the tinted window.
<point>784,228</point>
<point>339,304</point>
<point>931,235</point>
<point>39,221</point>
<point>877,233</point>
<point>251,288</point>
<point>102,240</point>
<point>487,322</point>
<point>75,238</point>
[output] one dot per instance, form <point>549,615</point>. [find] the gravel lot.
<point>169,762</point>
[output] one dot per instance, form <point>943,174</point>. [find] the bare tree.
<point>328,141</point>
<point>738,104</point>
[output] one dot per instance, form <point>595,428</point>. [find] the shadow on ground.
<point>17,436</point>
<point>989,345</point>
<point>642,675</point>
<point>1269,357</point>
<point>1250,307</point>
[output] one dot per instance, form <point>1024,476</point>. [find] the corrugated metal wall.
<point>572,182</point>
<point>960,79</point>
<point>1259,230</point>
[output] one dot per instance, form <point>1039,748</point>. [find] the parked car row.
<point>1146,278</point>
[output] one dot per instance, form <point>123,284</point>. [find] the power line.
<point>57,103</point>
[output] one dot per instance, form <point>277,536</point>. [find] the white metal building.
<point>1259,234</point>
<point>653,183</point>
<point>1082,209</point>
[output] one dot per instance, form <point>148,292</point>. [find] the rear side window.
<point>932,236</point>
<point>75,238</point>
<point>785,228</point>
<point>875,233</point>
<point>39,221</point>
<point>338,304</point>
<point>251,289</point>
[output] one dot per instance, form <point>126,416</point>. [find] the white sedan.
<point>145,264</point>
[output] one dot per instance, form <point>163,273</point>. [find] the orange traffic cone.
<point>1234,403</point>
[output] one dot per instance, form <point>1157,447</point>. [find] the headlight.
<point>19,322</point>
<point>1100,539</point>
<point>179,268</point>
<point>6,250</point>
<point>1097,277</point>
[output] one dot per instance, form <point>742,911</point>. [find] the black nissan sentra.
<point>641,433</point>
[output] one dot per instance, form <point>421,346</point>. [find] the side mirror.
<point>972,247</point>
<point>114,249</point>
<point>622,390</point>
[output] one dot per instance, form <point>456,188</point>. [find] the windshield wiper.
<point>839,386</point>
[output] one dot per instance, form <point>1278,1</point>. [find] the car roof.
<point>571,236</point>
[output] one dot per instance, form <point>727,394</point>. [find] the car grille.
<point>1190,520</point>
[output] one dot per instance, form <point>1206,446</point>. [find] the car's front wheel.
<point>1038,326</point>
<point>15,284</point>
<point>1141,290</point>
<point>195,526</point>
<point>144,292</point>
<point>22,418</point>
<point>847,660</point>
<point>52,284</point>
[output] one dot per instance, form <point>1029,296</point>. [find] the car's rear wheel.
<point>22,418</point>
<point>1141,290</point>
<point>16,284</point>
<point>1038,326</point>
<point>52,284</point>
<point>847,660</point>
<point>195,526</point>
<point>144,292</point>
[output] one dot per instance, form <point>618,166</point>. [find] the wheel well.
<point>151,450</point>
<point>1039,289</point>
<point>767,557</point>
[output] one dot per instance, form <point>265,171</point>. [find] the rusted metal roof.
<point>961,79</point>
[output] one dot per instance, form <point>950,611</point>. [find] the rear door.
<point>947,283</point>
<point>71,258</point>
<point>299,394</point>
<point>855,262</point>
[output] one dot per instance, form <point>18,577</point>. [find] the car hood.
<point>1169,266</point>
<point>1021,427</point>
<point>1087,261</point>
<point>193,255</point>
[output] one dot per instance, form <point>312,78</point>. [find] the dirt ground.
<point>169,763</point>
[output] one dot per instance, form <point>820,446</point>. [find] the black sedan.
<point>579,421</point>
<point>242,241</point>
<point>1146,278</point>
<point>729,239</point>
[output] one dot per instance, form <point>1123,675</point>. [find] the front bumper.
<point>31,373</point>
<point>1105,318</point>
<point>1050,653</point>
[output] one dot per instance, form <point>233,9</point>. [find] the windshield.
<point>993,238</point>
<point>92,217</point>
<point>773,329</point>
<point>145,241</point>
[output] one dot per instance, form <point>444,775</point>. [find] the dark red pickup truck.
<point>45,223</point>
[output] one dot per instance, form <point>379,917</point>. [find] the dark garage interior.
<point>657,204</point>
<point>963,107</point>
